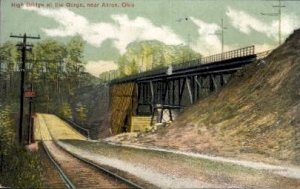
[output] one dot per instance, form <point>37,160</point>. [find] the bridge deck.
<point>220,63</point>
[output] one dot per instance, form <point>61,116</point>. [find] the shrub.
<point>6,134</point>
<point>81,113</point>
<point>18,168</point>
<point>21,169</point>
<point>65,111</point>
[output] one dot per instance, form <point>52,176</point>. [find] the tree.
<point>57,69</point>
<point>134,67</point>
<point>145,55</point>
<point>65,111</point>
<point>46,73</point>
<point>47,56</point>
<point>147,52</point>
<point>8,63</point>
<point>163,61</point>
<point>74,62</point>
<point>81,112</point>
<point>186,54</point>
<point>122,65</point>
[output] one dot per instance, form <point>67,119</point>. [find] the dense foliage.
<point>81,112</point>
<point>65,111</point>
<point>6,131</point>
<point>54,69</point>
<point>18,168</point>
<point>147,55</point>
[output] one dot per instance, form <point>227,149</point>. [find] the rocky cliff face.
<point>95,99</point>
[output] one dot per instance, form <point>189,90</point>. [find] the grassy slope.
<point>254,116</point>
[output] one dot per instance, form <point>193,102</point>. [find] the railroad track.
<point>77,172</point>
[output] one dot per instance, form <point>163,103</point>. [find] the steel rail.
<point>106,171</point>
<point>64,177</point>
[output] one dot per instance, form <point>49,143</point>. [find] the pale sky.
<point>108,28</point>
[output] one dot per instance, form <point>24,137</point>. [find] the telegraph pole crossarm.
<point>279,13</point>
<point>221,33</point>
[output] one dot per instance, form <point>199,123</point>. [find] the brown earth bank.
<point>256,116</point>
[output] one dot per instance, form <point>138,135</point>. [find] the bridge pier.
<point>173,94</point>
<point>154,97</point>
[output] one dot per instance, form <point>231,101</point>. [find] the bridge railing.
<point>264,54</point>
<point>246,51</point>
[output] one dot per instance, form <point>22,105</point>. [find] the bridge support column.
<point>222,81</point>
<point>181,90</point>
<point>213,83</point>
<point>199,86</point>
<point>188,83</point>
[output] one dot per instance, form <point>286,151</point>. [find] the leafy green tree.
<point>46,73</point>
<point>57,70</point>
<point>122,65</point>
<point>9,56</point>
<point>163,61</point>
<point>48,55</point>
<point>81,112</point>
<point>146,55</point>
<point>65,110</point>
<point>74,62</point>
<point>134,67</point>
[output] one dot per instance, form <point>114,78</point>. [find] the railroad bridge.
<point>158,95</point>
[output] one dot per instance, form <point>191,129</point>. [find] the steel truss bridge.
<point>172,88</point>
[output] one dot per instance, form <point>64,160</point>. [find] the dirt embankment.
<point>256,116</point>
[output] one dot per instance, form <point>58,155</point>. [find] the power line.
<point>221,33</point>
<point>0,21</point>
<point>186,19</point>
<point>279,14</point>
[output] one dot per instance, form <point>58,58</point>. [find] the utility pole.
<point>0,21</point>
<point>189,46</point>
<point>30,115</point>
<point>186,19</point>
<point>23,47</point>
<point>0,43</point>
<point>278,14</point>
<point>221,33</point>
<point>30,94</point>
